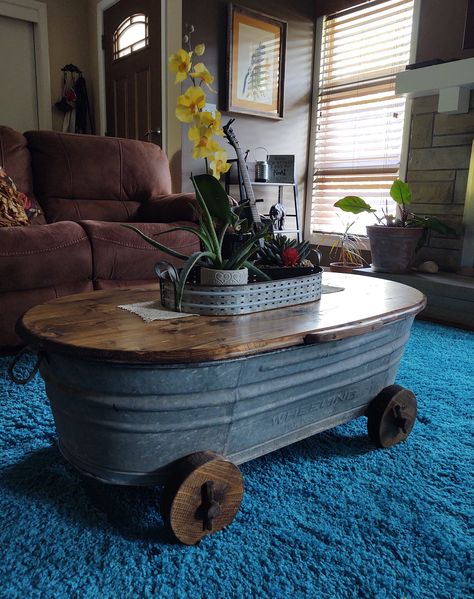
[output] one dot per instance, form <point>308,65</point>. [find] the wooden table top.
<point>92,326</point>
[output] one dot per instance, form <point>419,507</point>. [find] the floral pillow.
<point>16,208</point>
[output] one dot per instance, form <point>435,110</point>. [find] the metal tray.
<point>243,299</point>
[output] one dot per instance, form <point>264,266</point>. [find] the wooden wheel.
<point>202,496</point>
<point>391,416</point>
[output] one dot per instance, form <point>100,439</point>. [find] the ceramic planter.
<point>393,248</point>
<point>215,277</point>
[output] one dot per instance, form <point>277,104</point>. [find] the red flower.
<point>290,257</point>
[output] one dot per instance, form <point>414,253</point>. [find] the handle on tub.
<point>16,359</point>
<point>348,330</point>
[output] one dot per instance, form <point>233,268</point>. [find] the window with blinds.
<point>359,119</point>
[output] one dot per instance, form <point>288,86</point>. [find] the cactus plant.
<point>282,251</point>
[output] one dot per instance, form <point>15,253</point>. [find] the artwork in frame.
<point>256,63</point>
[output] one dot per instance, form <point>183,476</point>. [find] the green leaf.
<point>432,224</point>
<point>196,232</point>
<point>246,250</point>
<point>353,204</point>
<point>256,271</point>
<point>156,244</point>
<point>215,197</point>
<point>400,192</point>
<point>207,222</point>
<point>183,277</point>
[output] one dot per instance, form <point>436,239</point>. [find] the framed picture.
<point>469,26</point>
<point>282,168</point>
<point>256,63</point>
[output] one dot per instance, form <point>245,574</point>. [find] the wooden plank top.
<point>92,326</point>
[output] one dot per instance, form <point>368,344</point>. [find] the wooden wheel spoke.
<point>391,416</point>
<point>203,497</point>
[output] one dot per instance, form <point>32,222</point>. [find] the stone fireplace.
<point>438,166</point>
<point>439,155</point>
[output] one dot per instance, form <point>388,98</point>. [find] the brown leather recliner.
<point>86,186</point>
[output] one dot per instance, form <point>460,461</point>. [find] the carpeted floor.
<point>330,517</point>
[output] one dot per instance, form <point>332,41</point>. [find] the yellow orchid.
<point>204,145</point>
<point>201,72</point>
<point>219,163</point>
<point>199,49</point>
<point>180,63</point>
<point>213,121</point>
<point>189,104</point>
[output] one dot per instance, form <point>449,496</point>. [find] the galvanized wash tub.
<point>125,423</point>
<point>131,399</point>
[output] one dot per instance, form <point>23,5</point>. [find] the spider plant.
<point>345,248</point>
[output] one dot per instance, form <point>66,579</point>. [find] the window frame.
<point>122,28</point>
<point>327,239</point>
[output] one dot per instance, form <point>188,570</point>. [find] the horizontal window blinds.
<point>359,119</point>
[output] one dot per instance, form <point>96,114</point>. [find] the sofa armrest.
<point>168,209</point>
<point>38,256</point>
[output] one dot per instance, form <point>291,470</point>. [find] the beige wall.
<point>291,134</point>
<point>68,29</point>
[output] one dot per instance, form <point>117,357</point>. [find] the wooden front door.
<point>132,46</point>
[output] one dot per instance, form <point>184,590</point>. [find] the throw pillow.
<point>16,208</point>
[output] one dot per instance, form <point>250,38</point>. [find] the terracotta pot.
<point>393,248</point>
<point>344,267</point>
<point>217,278</point>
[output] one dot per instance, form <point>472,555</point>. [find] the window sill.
<point>328,239</point>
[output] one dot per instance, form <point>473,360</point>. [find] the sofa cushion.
<point>167,209</point>
<point>84,177</point>
<point>43,256</point>
<point>16,160</point>
<point>122,255</point>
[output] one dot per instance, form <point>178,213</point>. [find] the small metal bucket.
<point>261,167</point>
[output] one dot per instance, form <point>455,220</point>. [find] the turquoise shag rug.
<point>329,517</point>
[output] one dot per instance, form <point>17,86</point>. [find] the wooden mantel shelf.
<point>452,80</point>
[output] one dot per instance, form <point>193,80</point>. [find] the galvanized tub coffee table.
<point>184,401</point>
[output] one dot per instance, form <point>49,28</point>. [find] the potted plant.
<point>346,251</point>
<point>283,258</point>
<point>215,215</point>
<point>395,239</point>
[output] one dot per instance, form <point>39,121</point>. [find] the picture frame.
<point>256,47</point>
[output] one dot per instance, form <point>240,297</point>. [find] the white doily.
<point>150,311</point>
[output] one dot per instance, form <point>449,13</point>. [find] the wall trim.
<point>318,34</point>
<point>35,13</point>
<point>467,253</point>
<point>171,25</point>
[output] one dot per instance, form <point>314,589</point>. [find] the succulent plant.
<point>282,251</point>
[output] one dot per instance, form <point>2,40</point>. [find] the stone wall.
<point>439,155</point>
